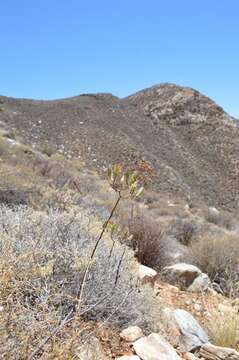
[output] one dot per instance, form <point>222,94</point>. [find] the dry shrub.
<point>223,219</point>
<point>147,238</point>
<point>49,149</point>
<point>183,230</point>
<point>218,256</point>
<point>223,329</point>
<point>43,257</point>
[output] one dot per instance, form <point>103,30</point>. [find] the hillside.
<point>190,144</point>
<point>91,271</point>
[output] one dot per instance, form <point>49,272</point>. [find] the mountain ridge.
<point>189,141</point>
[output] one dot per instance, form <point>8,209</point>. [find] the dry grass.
<point>223,219</point>
<point>218,256</point>
<point>223,329</point>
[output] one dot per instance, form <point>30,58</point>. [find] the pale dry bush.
<point>223,329</point>
<point>218,256</point>
<point>222,219</point>
<point>184,230</point>
<point>43,257</point>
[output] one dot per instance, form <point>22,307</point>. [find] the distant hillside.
<point>190,143</point>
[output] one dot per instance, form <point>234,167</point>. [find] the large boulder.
<point>131,334</point>
<point>212,352</point>
<point>181,274</point>
<point>192,335</point>
<point>154,347</point>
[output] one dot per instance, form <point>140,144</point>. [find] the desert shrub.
<point>183,230</point>
<point>49,150</point>
<point>10,134</point>
<point>218,256</point>
<point>222,219</point>
<point>223,329</point>
<point>147,238</point>
<point>43,257</point>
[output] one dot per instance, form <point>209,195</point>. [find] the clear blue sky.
<point>59,48</point>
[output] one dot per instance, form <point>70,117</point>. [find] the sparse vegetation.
<point>147,238</point>
<point>183,230</point>
<point>223,219</point>
<point>218,256</point>
<point>43,261</point>
<point>223,329</point>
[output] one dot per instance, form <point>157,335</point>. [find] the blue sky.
<point>58,48</point>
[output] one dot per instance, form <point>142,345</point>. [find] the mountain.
<point>189,143</point>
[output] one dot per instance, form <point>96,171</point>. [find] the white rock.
<point>190,356</point>
<point>197,307</point>
<point>146,274</point>
<point>131,334</point>
<point>213,210</point>
<point>154,347</point>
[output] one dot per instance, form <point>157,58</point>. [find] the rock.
<point>212,352</point>
<point>131,334</point>
<point>213,210</point>
<point>91,350</point>
<point>128,357</point>
<point>181,273</point>
<point>146,274</point>
<point>192,336</point>
<point>189,356</point>
<point>197,307</point>
<point>200,284</point>
<point>154,347</point>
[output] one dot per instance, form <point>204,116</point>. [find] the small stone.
<point>189,356</point>
<point>131,334</point>
<point>128,357</point>
<point>197,307</point>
